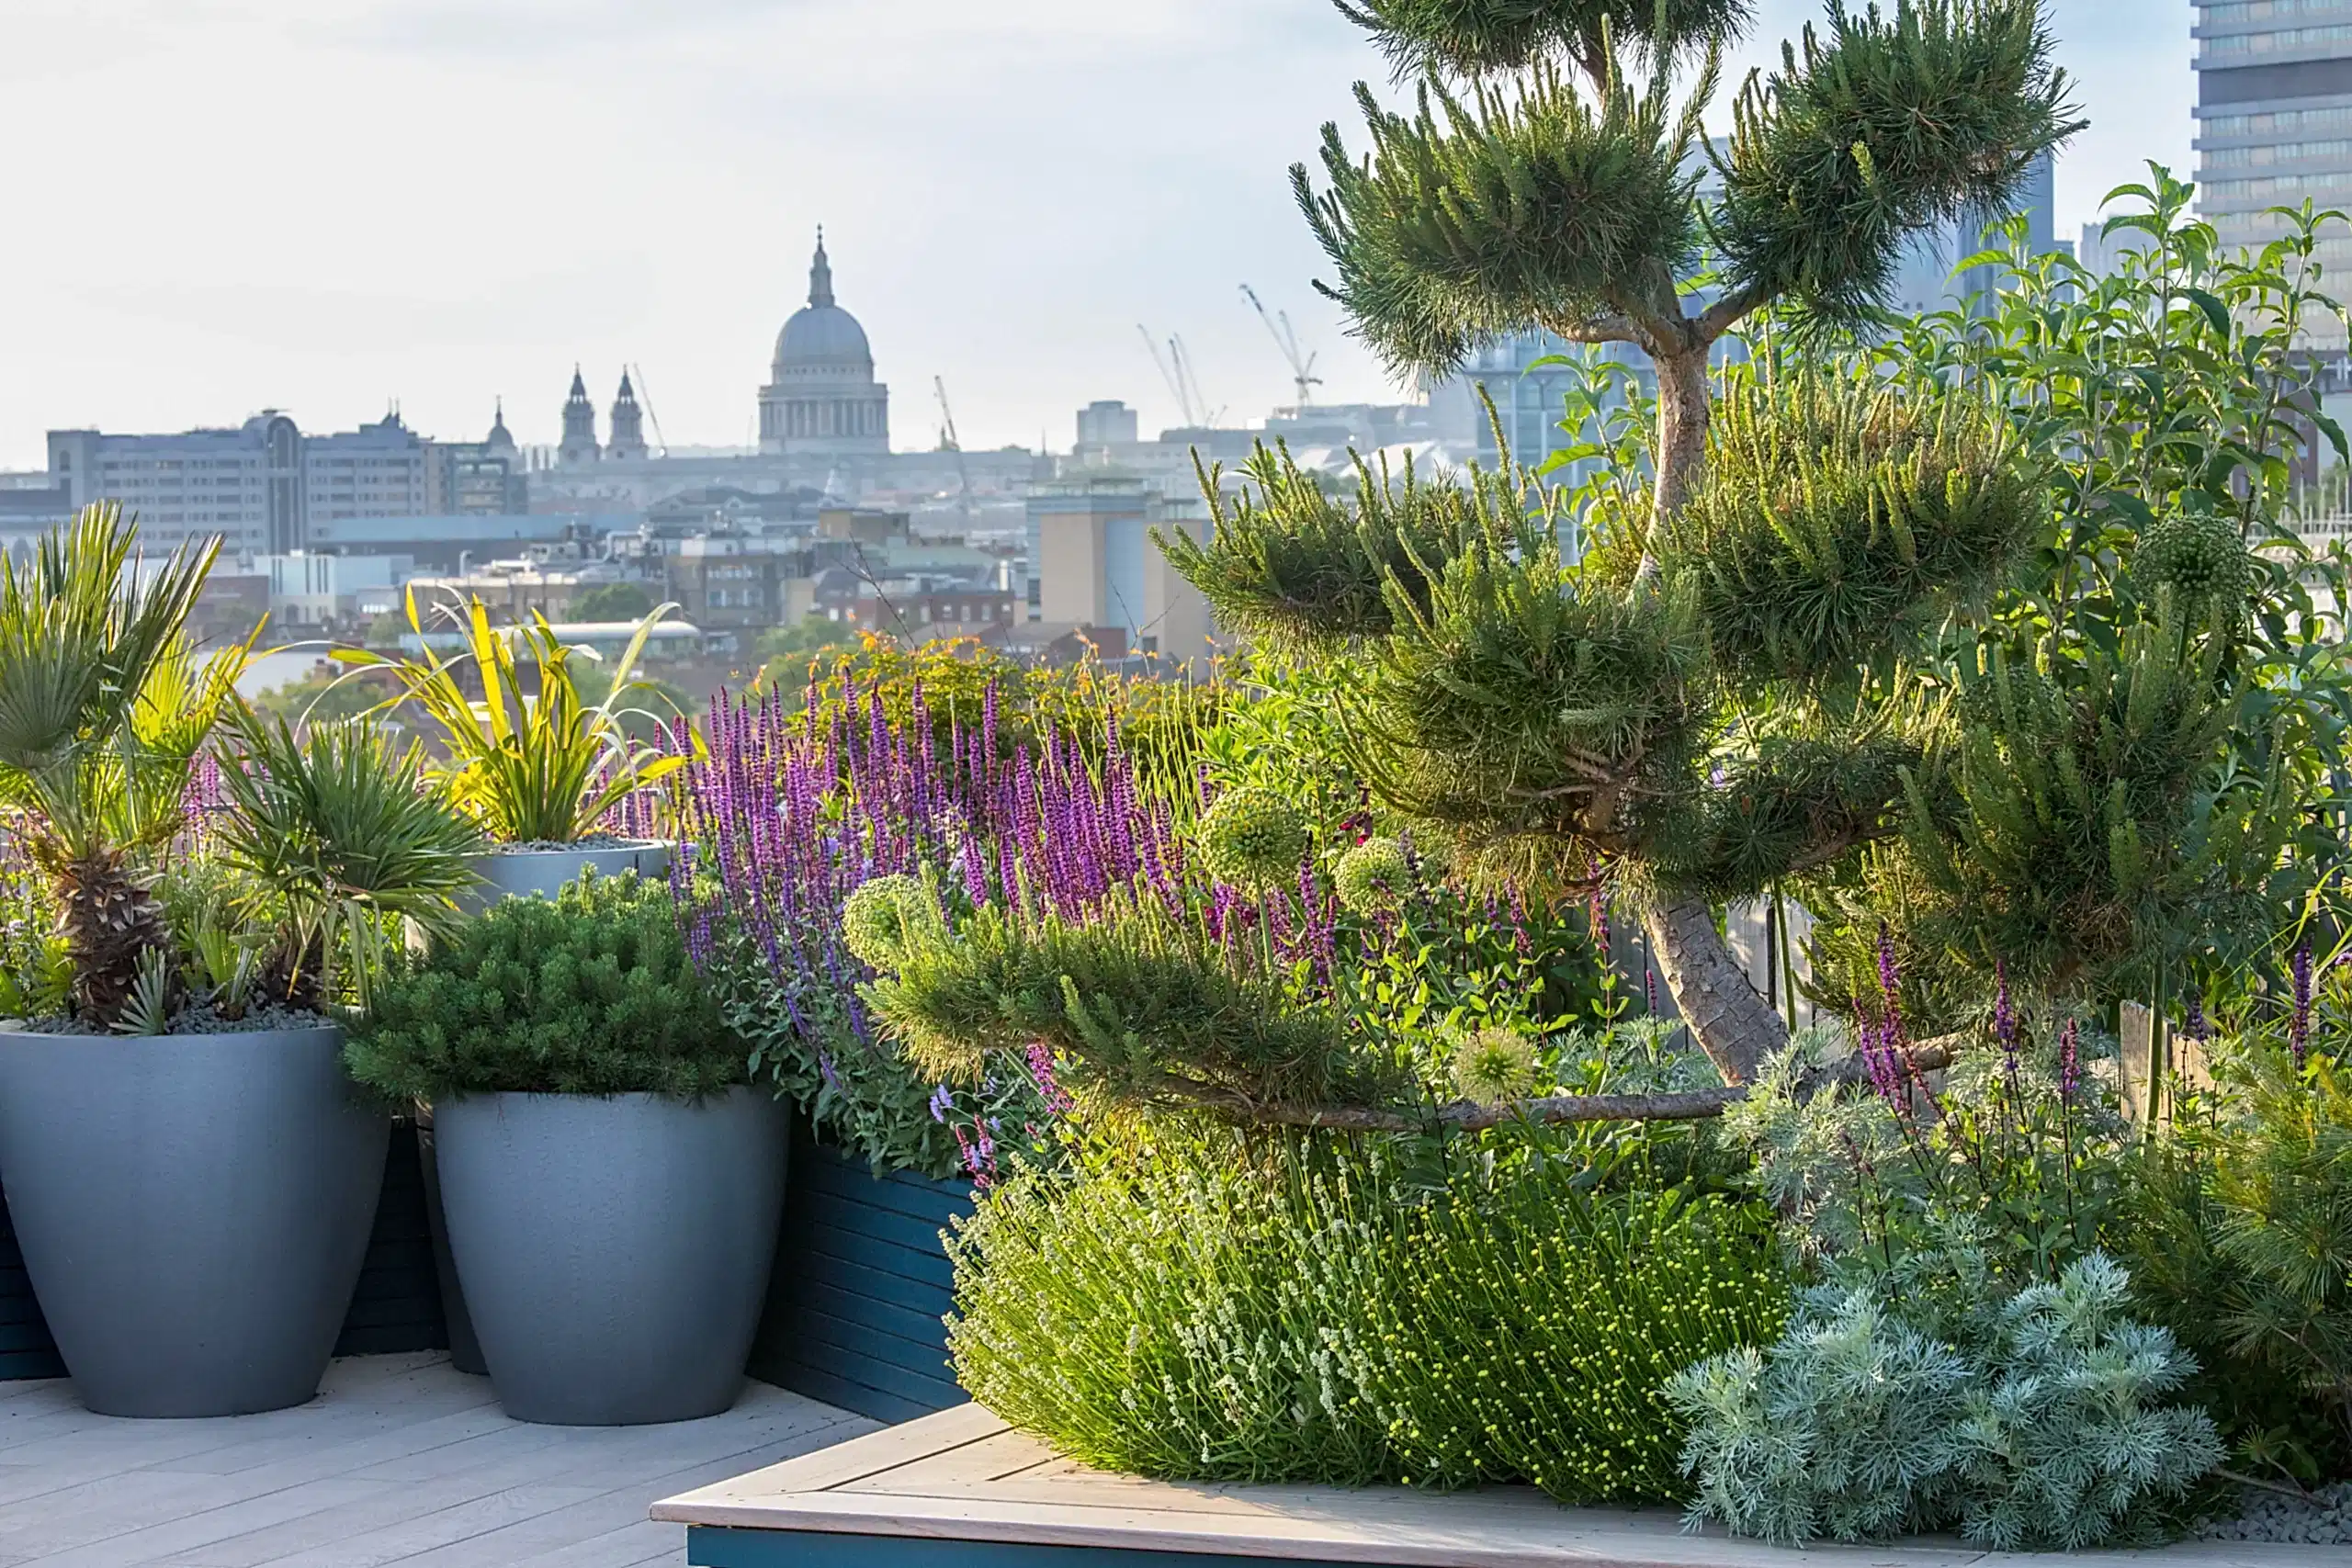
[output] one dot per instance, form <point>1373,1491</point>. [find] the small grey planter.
<point>519,873</point>
<point>194,1209</point>
<point>614,1253</point>
<point>512,874</point>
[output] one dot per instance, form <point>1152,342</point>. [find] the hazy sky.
<point>219,205</point>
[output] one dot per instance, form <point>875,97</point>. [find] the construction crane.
<point>954,443</point>
<point>1175,367</point>
<point>1302,365</point>
<point>637,374</point>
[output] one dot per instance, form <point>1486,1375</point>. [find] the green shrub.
<point>1209,1306</point>
<point>589,994</point>
<point>2243,1247</point>
<point>2037,1420</point>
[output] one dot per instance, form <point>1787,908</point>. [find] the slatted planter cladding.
<point>397,1307</point>
<point>860,1288</point>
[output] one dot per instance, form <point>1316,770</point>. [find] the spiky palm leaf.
<point>86,627</point>
<point>345,844</point>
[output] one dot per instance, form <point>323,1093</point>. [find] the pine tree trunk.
<point>1728,1017</point>
<point>1683,405</point>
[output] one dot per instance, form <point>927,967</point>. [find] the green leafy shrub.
<point>2242,1247</point>
<point>589,994</point>
<point>2040,1421</point>
<point>1209,1306</point>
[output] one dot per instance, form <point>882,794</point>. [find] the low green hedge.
<point>1214,1307</point>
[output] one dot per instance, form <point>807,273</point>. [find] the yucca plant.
<point>104,704</point>
<point>343,848</point>
<point>532,762</point>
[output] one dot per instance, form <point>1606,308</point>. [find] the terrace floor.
<point>401,1460</point>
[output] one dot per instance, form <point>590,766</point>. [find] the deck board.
<point>963,1482</point>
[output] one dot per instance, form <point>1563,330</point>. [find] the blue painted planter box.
<point>860,1286</point>
<point>396,1308</point>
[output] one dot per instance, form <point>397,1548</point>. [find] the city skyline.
<point>440,205</point>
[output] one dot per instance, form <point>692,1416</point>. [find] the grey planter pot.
<point>519,873</point>
<point>614,1253</point>
<point>510,873</point>
<point>194,1209</point>
<point>465,1350</point>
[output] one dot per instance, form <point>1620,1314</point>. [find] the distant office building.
<point>2274,122</point>
<point>478,479</point>
<point>1093,562</point>
<point>245,484</point>
<point>377,470</point>
<point>262,486</point>
<point>821,399</point>
<point>1111,424</point>
<point>315,589</point>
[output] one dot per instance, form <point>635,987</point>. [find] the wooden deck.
<point>400,1460</point>
<point>959,1490</point>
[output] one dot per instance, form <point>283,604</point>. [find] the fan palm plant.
<point>343,850</point>
<point>104,704</point>
<point>531,762</point>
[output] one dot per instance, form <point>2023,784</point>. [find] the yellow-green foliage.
<point>1271,1309</point>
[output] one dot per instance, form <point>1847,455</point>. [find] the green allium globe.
<point>1373,879</point>
<point>888,918</point>
<point>1253,837</point>
<point>2200,557</point>
<point>1494,1064</point>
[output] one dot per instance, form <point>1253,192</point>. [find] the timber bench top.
<point>964,1475</point>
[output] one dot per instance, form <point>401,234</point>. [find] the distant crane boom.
<point>1169,378</point>
<point>955,445</point>
<point>1197,412</point>
<point>645,396</point>
<point>1301,364</point>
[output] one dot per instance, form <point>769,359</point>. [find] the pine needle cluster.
<point>1837,516</point>
<point>591,993</point>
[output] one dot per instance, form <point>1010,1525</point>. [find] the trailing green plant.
<point>2033,1418</point>
<point>1198,1302</point>
<point>104,707</point>
<point>345,856</point>
<point>533,763</point>
<point>588,993</point>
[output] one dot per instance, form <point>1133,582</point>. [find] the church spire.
<point>627,442</point>
<point>820,273</point>
<point>579,425</point>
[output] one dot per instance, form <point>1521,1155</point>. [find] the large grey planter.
<point>614,1253</point>
<point>519,873</point>
<point>194,1209</point>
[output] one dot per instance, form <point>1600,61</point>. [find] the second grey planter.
<point>194,1209</point>
<point>520,874</point>
<point>614,1253</point>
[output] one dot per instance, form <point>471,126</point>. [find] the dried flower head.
<point>1495,1064</point>
<point>1373,879</point>
<point>1252,837</point>
<point>886,918</point>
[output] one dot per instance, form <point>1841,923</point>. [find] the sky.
<point>330,207</point>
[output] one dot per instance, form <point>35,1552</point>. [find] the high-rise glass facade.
<point>2274,123</point>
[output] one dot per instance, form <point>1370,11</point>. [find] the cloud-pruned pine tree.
<point>1702,708</point>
